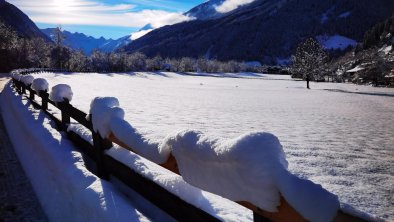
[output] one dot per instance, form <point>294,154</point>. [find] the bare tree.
<point>187,64</point>
<point>136,62</point>
<point>155,64</point>
<point>78,62</point>
<point>60,54</point>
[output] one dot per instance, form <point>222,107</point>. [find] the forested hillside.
<point>265,30</point>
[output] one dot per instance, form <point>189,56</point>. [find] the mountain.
<point>381,34</point>
<point>88,43</point>
<point>18,21</point>
<point>265,30</point>
<point>206,10</point>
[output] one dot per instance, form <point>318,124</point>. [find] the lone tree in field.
<point>309,61</point>
<point>59,54</point>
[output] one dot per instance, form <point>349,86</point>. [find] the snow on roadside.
<point>65,188</point>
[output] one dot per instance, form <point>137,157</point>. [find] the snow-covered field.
<point>338,135</point>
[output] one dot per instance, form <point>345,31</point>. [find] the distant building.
<point>390,78</point>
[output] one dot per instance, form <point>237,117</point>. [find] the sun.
<point>63,4</point>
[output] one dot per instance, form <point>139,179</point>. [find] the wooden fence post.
<point>31,92</point>
<point>65,109</point>
<point>100,145</point>
<point>18,85</point>
<point>23,88</point>
<point>44,100</point>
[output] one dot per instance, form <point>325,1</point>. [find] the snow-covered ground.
<point>336,41</point>
<point>338,135</point>
<point>69,192</point>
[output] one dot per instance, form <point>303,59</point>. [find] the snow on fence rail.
<point>291,208</point>
<point>35,70</point>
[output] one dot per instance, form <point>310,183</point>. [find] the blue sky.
<point>110,19</point>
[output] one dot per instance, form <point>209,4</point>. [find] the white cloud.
<point>86,12</point>
<point>230,5</point>
<point>162,19</point>
<point>139,34</point>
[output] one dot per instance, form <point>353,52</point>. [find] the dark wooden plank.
<point>80,117</point>
<point>52,103</point>
<point>168,202</point>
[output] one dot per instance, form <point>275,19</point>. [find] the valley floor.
<point>337,135</point>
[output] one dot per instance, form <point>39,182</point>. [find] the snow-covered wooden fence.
<point>106,166</point>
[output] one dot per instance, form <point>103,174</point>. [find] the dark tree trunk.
<point>307,82</point>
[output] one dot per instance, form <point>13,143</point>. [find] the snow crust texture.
<point>60,92</point>
<point>40,84</point>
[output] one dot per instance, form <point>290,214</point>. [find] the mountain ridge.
<point>264,30</point>
<point>19,21</point>
<point>87,43</point>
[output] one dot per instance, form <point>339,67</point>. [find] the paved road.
<point>17,199</point>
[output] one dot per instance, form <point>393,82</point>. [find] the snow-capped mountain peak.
<point>88,43</point>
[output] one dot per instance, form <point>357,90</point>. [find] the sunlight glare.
<point>63,4</point>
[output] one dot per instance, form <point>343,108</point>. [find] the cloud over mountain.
<point>230,5</point>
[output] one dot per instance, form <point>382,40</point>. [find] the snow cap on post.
<point>27,80</point>
<point>61,92</point>
<point>40,84</point>
<point>251,168</point>
<point>103,110</point>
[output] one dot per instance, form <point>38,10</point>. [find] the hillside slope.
<point>373,61</point>
<point>19,21</point>
<point>265,30</point>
